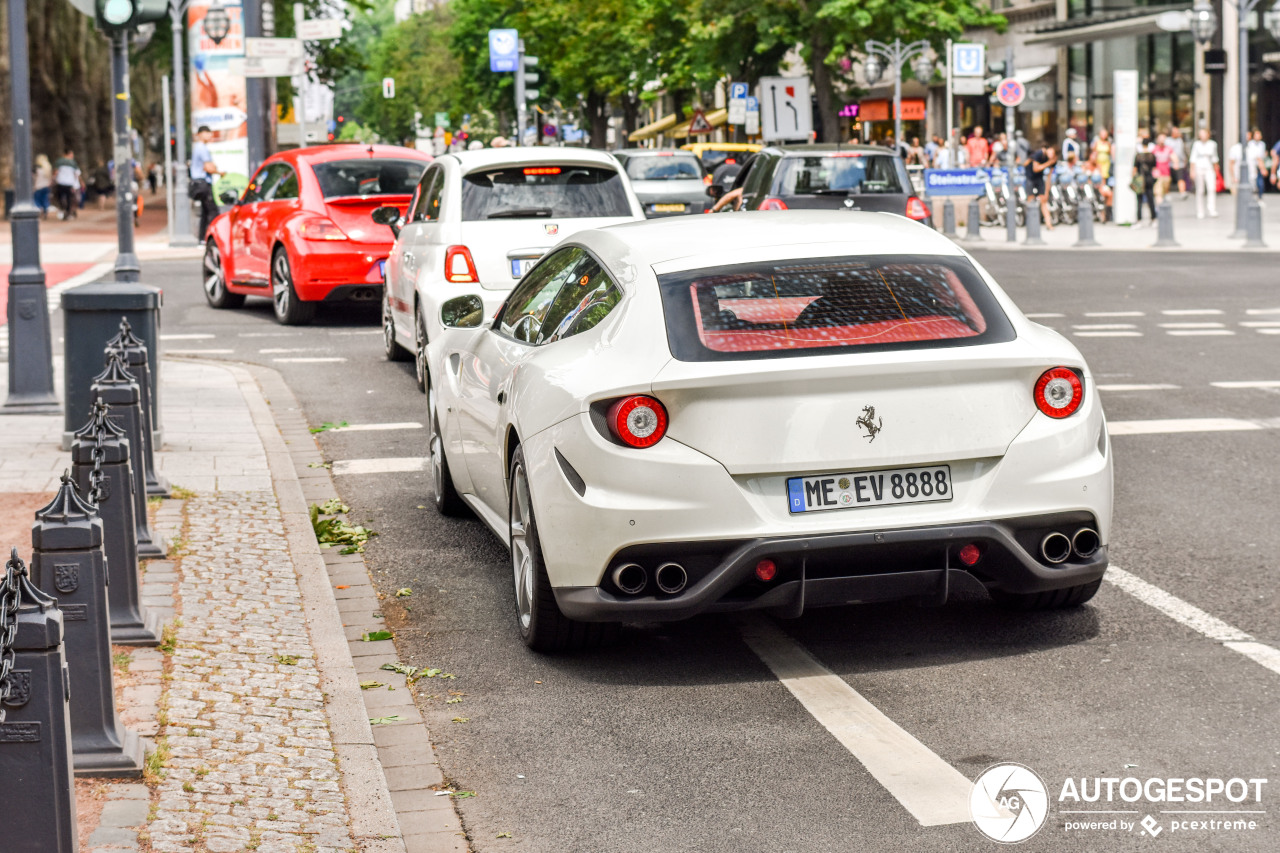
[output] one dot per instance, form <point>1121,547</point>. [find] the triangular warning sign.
<point>699,123</point>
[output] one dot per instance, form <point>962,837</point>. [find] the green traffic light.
<point>117,12</point>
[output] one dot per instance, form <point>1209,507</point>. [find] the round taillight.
<point>638,421</point>
<point>1059,392</point>
<point>766,570</point>
<point>917,209</point>
<point>970,554</point>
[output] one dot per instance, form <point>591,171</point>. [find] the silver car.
<point>668,183</point>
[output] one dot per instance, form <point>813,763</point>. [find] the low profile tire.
<point>448,501</point>
<point>393,350</point>
<point>1054,599</point>
<point>542,626</point>
<point>215,280</point>
<point>289,309</point>
<point>420,349</point>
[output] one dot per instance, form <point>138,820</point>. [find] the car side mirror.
<point>388,215</point>
<point>229,197</point>
<point>462,312</point>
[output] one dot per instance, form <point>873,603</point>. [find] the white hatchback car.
<point>769,411</point>
<point>478,221</point>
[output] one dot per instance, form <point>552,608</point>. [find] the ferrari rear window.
<point>537,191</point>
<point>367,177</point>
<point>824,305</point>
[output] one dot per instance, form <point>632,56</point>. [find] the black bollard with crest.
<point>135,356</point>
<point>101,471</point>
<point>37,797</point>
<point>118,388</point>
<point>68,563</point>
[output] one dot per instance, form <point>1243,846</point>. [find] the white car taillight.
<point>1059,392</point>
<point>459,267</point>
<point>638,421</point>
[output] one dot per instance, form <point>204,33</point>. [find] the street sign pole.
<point>168,152</point>
<point>951,98</point>
<point>178,177</point>
<point>127,268</point>
<point>522,114</point>
<point>300,115</point>
<point>255,91</point>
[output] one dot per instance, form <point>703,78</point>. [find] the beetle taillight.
<point>772,203</point>
<point>638,421</point>
<point>917,209</point>
<point>1059,392</point>
<point>459,267</point>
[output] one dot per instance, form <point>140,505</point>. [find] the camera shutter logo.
<point>1009,803</point>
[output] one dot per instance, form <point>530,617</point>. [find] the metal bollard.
<point>948,218</point>
<point>118,388</point>
<point>135,352</point>
<point>68,563</point>
<point>974,220</point>
<point>100,457</point>
<point>1253,227</point>
<point>1164,219</point>
<point>1084,221</point>
<point>37,800</point>
<point>1033,224</point>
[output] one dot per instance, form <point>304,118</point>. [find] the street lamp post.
<point>182,235</point>
<point>1204,22</point>
<point>30,338</point>
<point>897,55</point>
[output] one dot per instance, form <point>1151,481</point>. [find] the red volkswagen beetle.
<point>300,233</point>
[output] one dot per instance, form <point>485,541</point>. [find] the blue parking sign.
<point>737,91</point>
<point>753,104</point>
<point>504,47</point>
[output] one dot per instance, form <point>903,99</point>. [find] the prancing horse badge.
<point>870,422</point>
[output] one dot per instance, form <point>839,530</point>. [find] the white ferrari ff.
<point>769,411</point>
<point>477,222</point>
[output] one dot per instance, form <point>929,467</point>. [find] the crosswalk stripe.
<point>1107,334</point>
<point>1115,313</point>
<point>1187,333</point>
<point>1191,325</point>
<point>316,360</point>
<point>1097,327</point>
<point>1190,312</point>
<point>1261,383</point>
<point>385,465</point>
<point>1156,387</point>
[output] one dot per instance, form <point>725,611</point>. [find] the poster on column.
<point>1126,137</point>
<point>217,95</point>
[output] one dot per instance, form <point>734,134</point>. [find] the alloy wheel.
<point>521,558</point>
<point>280,284</point>
<point>420,350</point>
<point>213,282</point>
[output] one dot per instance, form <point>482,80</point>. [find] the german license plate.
<point>869,488</point>
<point>382,269</point>
<point>668,208</point>
<point>520,266</point>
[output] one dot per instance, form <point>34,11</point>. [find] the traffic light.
<point>528,62</point>
<point>117,16</point>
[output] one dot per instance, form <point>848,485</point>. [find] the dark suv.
<point>847,177</point>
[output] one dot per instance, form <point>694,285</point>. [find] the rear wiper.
<point>521,212</point>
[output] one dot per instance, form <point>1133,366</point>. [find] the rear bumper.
<point>326,268</point>
<point>847,568</point>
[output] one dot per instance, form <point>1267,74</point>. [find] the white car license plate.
<point>520,266</point>
<point>869,488</point>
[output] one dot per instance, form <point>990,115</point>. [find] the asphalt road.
<point>680,738</point>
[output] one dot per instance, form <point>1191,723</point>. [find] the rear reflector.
<point>542,170</point>
<point>970,554</point>
<point>638,421</point>
<point>766,570</point>
<point>459,267</point>
<point>1059,392</point>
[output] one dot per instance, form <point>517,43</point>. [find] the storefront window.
<point>1165,63</point>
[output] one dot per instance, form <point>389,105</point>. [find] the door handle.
<point>502,396</point>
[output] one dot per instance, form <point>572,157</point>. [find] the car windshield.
<point>812,306</point>
<point>664,167</point>
<point>543,191</point>
<point>840,173</point>
<point>368,177</point>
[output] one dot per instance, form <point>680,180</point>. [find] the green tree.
<point>415,53</point>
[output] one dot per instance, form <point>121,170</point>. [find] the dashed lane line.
<point>1187,333</point>
<point>193,336</point>
<point>168,351</point>
<point>1098,327</point>
<point>360,332</point>
<point>933,791</point>
<point>1260,324</point>
<point>1261,383</point>
<point>374,427</point>
<point>1195,618</point>
<point>1191,325</point>
<point>311,360</point>
<point>1180,425</point>
<point>1042,316</point>
<point>1260,311</point>
<point>385,465</point>
<point>1114,334</point>
<point>1191,312</point>
<point>1115,313</point>
<point>1154,387</point>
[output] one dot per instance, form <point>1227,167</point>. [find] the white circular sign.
<point>502,42</point>
<point>1009,803</point>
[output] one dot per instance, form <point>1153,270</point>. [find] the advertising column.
<point>217,95</point>
<point>1126,119</point>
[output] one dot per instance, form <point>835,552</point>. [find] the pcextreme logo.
<point>1009,803</point>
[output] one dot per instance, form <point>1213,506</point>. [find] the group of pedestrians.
<point>63,186</point>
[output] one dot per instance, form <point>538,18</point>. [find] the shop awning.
<point>652,129</point>
<point>1031,73</point>
<point>715,118</point>
<point>1104,25</point>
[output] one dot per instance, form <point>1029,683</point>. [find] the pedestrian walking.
<point>977,148</point>
<point>42,180</point>
<point>999,148</point>
<point>1071,145</point>
<point>153,177</point>
<point>1255,153</point>
<point>1275,164</point>
<point>67,181</point>
<point>1100,151</point>
<point>203,170</point>
<point>915,154</point>
<point>1204,173</point>
<point>1178,160</point>
<point>1144,179</point>
<point>1038,164</point>
<point>931,150</point>
<point>101,182</point>
<point>1163,170</point>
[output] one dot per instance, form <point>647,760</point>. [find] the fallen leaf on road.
<point>319,464</point>
<point>537,682</point>
<point>447,675</point>
<point>461,719</point>
<point>287,660</point>
<point>378,721</point>
<point>454,701</point>
<point>369,685</point>
<point>432,673</point>
<point>402,668</point>
<point>328,425</point>
<point>404,592</point>
<point>374,636</point>
<point>343,586</point>
<point>462,795</point>
<point>504,835</point>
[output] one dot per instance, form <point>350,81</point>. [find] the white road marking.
<point>372,427</point>
<point>1186,333</point>
<point>1191,325</point>
<point>1101,326</point>
<point>1156,387</point>
<point>279,350</point>
<point>168,351</point>
<point>1190,312</point>
<point>386,465</point>
<point>1269,331</point>
<point>1107,334</point>
<point>195,336</point>
<point>933,791</point>
<point>1176,425</point>
<point>1195,618</point>
<point>1115,314</point>
<point>269,335</point>
<point>1256,311</point>
<point>1042,316</point>
<point>361,332</point>
<point>315,360</point>
<point>1259,324</point>
<point>1263,383</point>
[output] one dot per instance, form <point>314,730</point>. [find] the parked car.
<point>478,221</point>
<point>300,233</point>
<point>849,177</point>
<point>668,183</point>
<point>793,418</point>
<point>712,155</point>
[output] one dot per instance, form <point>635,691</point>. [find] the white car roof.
<point>689,242</point>
<point>497,157</point>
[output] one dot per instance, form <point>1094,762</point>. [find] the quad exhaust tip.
<point>631,578</point>
<point>1055,547</point>
<point>671,578</point>
<point>1086,542</point>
